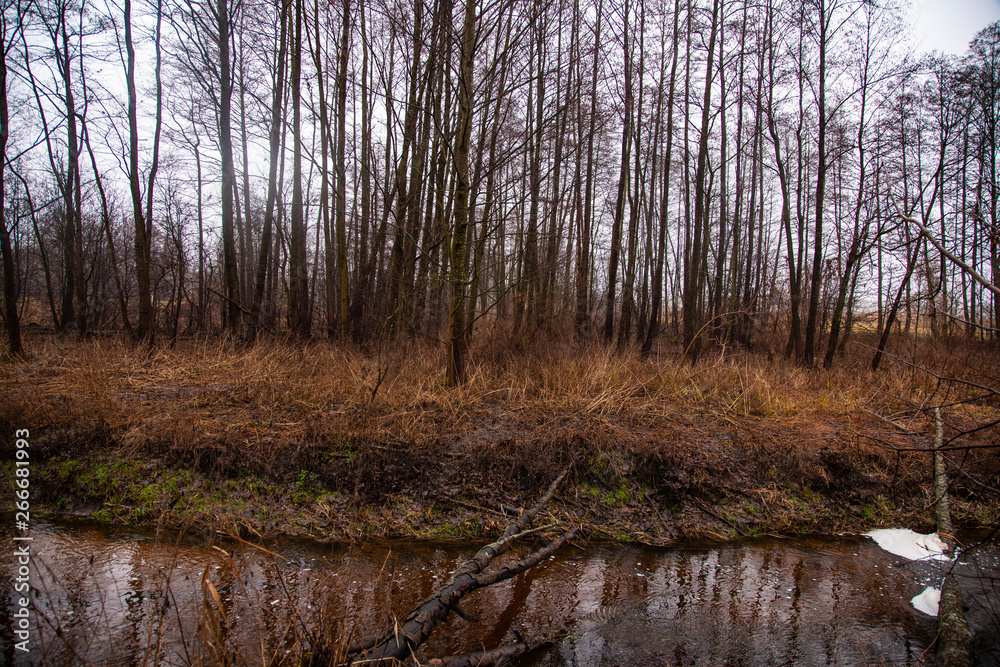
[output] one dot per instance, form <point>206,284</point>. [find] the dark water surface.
<point>116,596</point>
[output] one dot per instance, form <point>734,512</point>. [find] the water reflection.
<point>128,597</point>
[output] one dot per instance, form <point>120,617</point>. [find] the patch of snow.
<point>927,602</point>
<point>910,545</point>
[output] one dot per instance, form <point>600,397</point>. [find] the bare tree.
<point>11,24</point>
<point>457,342</point>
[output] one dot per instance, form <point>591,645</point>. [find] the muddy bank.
<point>647,483</point>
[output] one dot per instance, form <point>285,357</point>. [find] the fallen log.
<point>399,642</point>
<point>954,640</point>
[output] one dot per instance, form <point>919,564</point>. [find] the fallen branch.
<point>979,278</point>
<point>949,448</point>
<point>399,642</point>
<point>716,516</point>
<point>230,300</point>
<point>504,510</point>
<point>484,658</point>
<point>954,640</point>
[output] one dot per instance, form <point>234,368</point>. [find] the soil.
<point>685,476</point>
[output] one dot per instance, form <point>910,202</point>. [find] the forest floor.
<point>324,440</point>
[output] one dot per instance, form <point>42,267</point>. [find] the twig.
<point>232,301</point>
<point>713,514</point>
<point>480,508</point>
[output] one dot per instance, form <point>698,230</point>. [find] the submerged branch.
<point>404,637</point>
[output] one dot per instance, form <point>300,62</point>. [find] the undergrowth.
<point>343,432</point>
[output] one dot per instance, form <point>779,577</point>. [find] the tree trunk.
<point>298,297</point>
<point>623,184</point>
<point>231,278</point>
<point>275,141</point>
<point>693,279</point>
<point>345,43</point>
<point>457,342</point>
<point>654,320</point>
<point>6,250</point>
<point>583,246</point>
<point>816,285</point>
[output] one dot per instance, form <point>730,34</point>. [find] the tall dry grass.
<point>206,391</point>
<point>382,425</point>
<point>292,437</point>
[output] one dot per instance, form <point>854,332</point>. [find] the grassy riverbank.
<point>326,440</point>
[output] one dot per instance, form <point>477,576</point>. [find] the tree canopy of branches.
<point>645,171</point>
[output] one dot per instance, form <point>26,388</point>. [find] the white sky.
<point>949,25</point>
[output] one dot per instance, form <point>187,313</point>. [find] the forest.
<point>773,175</point>
<point>659,270</point>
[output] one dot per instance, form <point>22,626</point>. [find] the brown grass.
<point>738,429</point>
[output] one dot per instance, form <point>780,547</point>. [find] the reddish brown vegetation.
<point>739,444</point>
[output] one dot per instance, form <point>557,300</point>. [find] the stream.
<point>119,596</point>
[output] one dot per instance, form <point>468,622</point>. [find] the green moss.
<point>150,494</point>
<point>196,505</point>
<point>103,516</point>
<point>622,536</point>
<point>597,463</point>
<point>810,496</point>
<point>617,498</point>
<point>472,528</point>
<point>306,488</point>
<point>877,512</point>
<point>341,452</point>
<point>66,469</point>
<point>446,529</point>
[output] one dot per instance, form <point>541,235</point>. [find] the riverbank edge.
<point>649,495</point>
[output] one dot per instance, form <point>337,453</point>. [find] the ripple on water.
<point>810,601</point>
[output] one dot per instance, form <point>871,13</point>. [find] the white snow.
<point>910,545</point>
<point>927,602</point>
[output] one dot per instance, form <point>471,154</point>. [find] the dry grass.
<point>380,427</point>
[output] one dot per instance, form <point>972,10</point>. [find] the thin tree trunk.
<point>583,247</point>
<point>359,296</point>
<point>6,249</point>
<point>275,142</point>
<point>345,43</point>
<point>298,298</point>
<point>816,284</point>
<point>654,320</point>
<point>457,340</point>
<point>106,226</point>
<point>694,278</point>
<point>231,278</point>
<point>623,184</point>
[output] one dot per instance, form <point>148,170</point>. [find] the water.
<point>116,596</point>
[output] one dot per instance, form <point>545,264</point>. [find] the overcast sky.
<point>949,25</point>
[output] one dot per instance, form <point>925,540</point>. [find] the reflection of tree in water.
<point>819,601</point>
